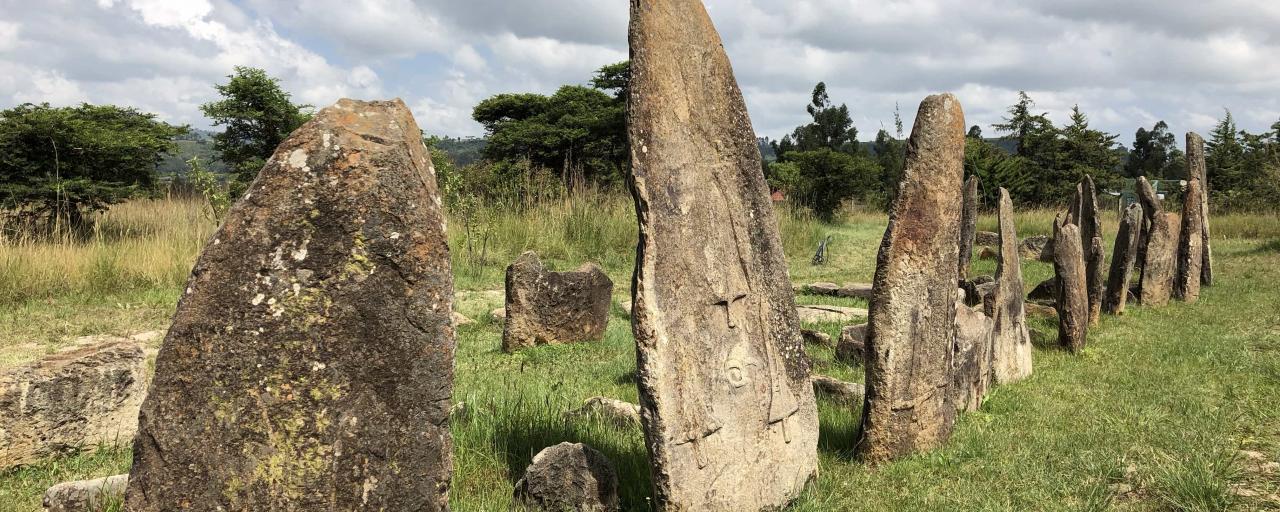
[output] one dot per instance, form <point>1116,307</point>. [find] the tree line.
<point>63,163</point>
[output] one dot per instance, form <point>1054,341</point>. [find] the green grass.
<point>1151,416</point>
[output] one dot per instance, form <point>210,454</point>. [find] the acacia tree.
<point>257,115</point>
<point>63,163</point>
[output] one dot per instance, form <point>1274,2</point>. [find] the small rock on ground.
<point>569,476</point>
<point>849,393</point>
<point>85,494</point>
<point>617,412</point>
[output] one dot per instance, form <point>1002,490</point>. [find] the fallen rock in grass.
<point>83,495</point>
<point>1046,292</point>
<point>71,400</point>
<point>987,238</point>
<point>816,337</point>
<point>499,314</point>
<point>1039,247</point>
<point>848,393</point>
<point>853,344</point>
<point>988,254</point>
<point>820,313</point>
<point>855,290</point>
<point>617,412</point>
<point>569,476</point>
<point>626,306</point>
<point>1039,310</point>
<point>821,288</point>
<point>460,319</point>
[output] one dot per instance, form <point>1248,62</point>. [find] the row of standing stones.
<point>310,362</point>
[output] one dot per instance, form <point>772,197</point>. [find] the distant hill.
<point>463,151</point>
<point>197,143</point>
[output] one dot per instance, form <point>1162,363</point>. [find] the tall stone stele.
<point>968,224</point>
<point>310,361</point>
<point>1073,297</point>
<point>1123,258</point>
<point>1161,260</point>
<point>1006,305</point>
<point>1084,214</point>
<point>1198,170</point>
<point>1186,285</point>
<point>1151,209</point>
<point>728,412</point>
<point>912,315</point>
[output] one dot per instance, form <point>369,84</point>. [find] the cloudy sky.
<point>1127,63</point>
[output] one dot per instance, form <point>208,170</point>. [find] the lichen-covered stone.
<point>1073,297</point>
<point>1197,169</point>
<point>855,290</point>
<point>1161,260</point>
<point>1084,214</point>
<point>617,412</point>
<point>822,313</point>
<point>912,323</point>
<point>968,223</point>
<point>1038,247</point>
<point>552,308</point>
<point>852,347</point>
<point>1123,258</point>
<point>728,410</point>
<point>569,476</point>
<point>1011,340</point>
<point>310,361</point>
<point>844,393</point>
<point>988,239</point>
<point>1190,246</point>
<point>1151,208</point>
<point>72,400</point>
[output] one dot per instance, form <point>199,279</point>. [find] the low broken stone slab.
<point>569,476</point>
<point>852,346</point>
<point>83,495</point>
<point>855,291</point>
<point>72,400</point>
<point>847,393</point>
<point>971,358</point>
<point>812,314</point>
<point>987,238</point>
<point>1039,248</point>
<point>816,337</point>
<point>552,308</point>
<point>1041,311</point>
<point>616,412</point>
<point>821,288</point>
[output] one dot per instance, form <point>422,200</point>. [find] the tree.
<point>614,77</point>
<point>831,128</point>
<point>1155,154</point>
<point>578,132</point>
<point>826,178</point>
<point>997,169</point>
<point>258,116</point>
<point>1089,151</point>
<point>975,132</point>
<point>1224,158</point>
<point>63,163</point>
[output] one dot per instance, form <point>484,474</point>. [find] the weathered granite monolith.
<point>968,224</point>
<point>1197,170</point>
<point>552,308</point>
<point>1123,258</point>
<point>971,358</point>
<point>1084,215</point>
<point>728,410</point>
<point>1161,260</point>
<point>1151,208</point>
<point>1073,297</point>
<point>310,362</point>
<point>1186,283</point>
<point>912,315</point>
<point>1011,340</point>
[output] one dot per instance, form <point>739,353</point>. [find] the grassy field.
<point>1167,409</point>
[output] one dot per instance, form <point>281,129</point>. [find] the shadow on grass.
<point>1272,246</point>
<point>838,429</point>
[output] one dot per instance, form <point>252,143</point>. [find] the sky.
<point>1126,63</point>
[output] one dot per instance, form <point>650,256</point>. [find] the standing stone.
<point>310,362</point>
<point>968,224</point>
<point>1073,299</point>
<point>728,410</point>
<point>912,314</point>
<point>1011,340</point>
<point>1197,170</point>
<point>1123,257</point>
<point>1085,216</point>
<point>1190,249</point>
<point>1159,268</point>
<point>551,308</point>
<point>1151,208</point>
<point>971,358</point>
<point>71,400</point>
